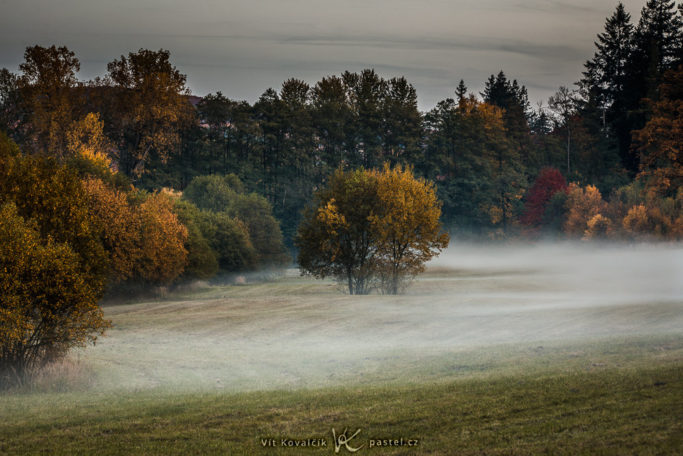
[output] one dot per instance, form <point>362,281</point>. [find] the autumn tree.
<point>47,98</point>
<point>660,141</point>
<point>52,262</point>
<point>120,228</point>
<point>548,182</point>
<point>583,204</point>
<point>370,228</point>
<point>149,108</point>
<point>407,226</point>
<point>336,236</point>
<point>48,304</point>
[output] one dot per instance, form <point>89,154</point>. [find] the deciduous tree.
<point>407,226</point>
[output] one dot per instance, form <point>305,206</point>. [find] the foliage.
<point>201,259</point>
<point>53,197</point>
<point>120,227</point>
<point>660,141</point>
<point>407,226</point>
<point>214,193</point>
<point>52,263</point>
<point>597,227</point>
<point>336,237</point>
<point>90,151</point>
<point>548,182</point>
<point>480,152</point>
<point>47,101</point>
<point>229,240</point>
<point>162,240</point>
<point>583,204</point>
<point>479,175</point>
<point>150,108</point>
<point>225,194</point>
<point>371,225</point>
<point>555,214</point>
<point>264,230</point>
<point>48,304</point>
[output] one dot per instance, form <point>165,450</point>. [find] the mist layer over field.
<point>476,309</point>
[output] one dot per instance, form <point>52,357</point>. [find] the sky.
<point>241,48</point>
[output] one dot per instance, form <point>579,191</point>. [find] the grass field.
<point>533,350</point>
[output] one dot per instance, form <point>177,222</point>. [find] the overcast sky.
<point>243,47</point>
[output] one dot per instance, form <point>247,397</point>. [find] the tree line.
<point>484,151</point>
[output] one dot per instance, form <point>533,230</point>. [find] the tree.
<point>53,196</point>
<point>229,239</point>
<point>661,139</point>
<point>402,122</point>
<point>548,182</point>
<point>477,172</point>
<point>583,204</point>
<point>605,75</point>
<point>407,226</point>
<point>42,102</point>
<point>120,228</point>
<point>514,101</point>
<point>563,104</point>
<point>369,226</point>
<point>336,236</point>
<point>48,304</point>
<point>150,108</point>
<point>52,262</point>
<point>201,259</point>
<point>225,194</point>
<point>655,49</point>
<point>162,240</point>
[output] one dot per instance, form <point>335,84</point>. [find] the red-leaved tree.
<point>548,182</point>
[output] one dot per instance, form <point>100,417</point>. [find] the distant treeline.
<point>601,159</point>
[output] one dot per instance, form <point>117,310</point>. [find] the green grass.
<point>605,411</point>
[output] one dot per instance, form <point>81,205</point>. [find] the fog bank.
<point>299,332</point>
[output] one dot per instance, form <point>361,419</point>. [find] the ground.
<point>519,350</point>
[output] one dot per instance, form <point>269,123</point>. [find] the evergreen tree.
<point>605,74</point>
<point>461,90</point>
<point>514,100</point>
<point>656,48</point>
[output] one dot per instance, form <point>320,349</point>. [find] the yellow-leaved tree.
<point>408,233</point>
<point>371,228</point>
<point>583,205</point>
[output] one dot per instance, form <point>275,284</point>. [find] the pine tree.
<point>655,50</point>
<point>461,90</point>
<point>605,73</point>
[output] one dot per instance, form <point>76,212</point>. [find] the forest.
<point>209,184</point>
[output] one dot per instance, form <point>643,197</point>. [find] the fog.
<point>474,303</point>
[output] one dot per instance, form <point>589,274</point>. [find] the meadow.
<point>526,349</point>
